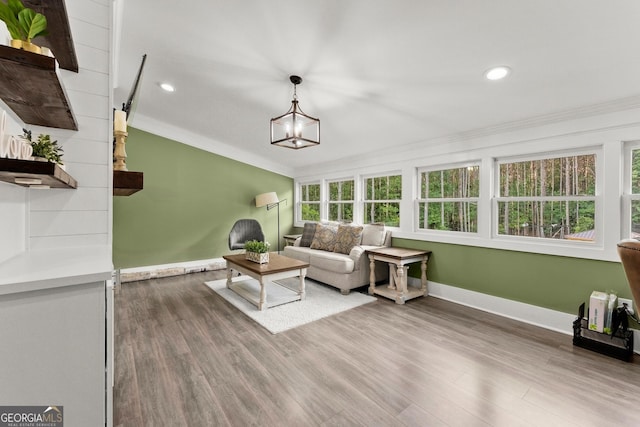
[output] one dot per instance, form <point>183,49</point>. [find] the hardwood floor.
<point>186,357</point>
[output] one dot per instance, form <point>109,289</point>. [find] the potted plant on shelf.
<point>23,24</point>
<point>44,149</point>
<point>257,251</point>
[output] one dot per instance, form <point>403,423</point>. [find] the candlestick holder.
<point>119,154</point>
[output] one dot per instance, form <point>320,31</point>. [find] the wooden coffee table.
<point>279,267</point>
<point>397,258</point>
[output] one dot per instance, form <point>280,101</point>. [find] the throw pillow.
<point>347,237</point>
<point>307,234</point>
<point>325,237</point>
<point>373,235</point>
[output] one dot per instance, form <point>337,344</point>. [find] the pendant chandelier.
<point>295,129</point>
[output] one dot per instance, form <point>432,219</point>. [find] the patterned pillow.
<point>347,237</point>
<point>373,235</point>
<point>325,237</point>
<point>307,234</point>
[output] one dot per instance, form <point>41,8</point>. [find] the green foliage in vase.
<point>256,246</point>
<point>44,147</point>
<point>22,22</point>
<point>32,24</point>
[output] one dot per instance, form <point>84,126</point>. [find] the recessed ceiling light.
<point>497,73</point>
<point>167,87</point>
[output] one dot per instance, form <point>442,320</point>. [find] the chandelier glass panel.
<point>295,129</point>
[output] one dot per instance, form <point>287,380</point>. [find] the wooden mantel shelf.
<point>30,86</point>
<point>125,183</point>
<point>49,174</point>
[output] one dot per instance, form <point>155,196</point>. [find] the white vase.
<point>25,149</point>
<point>260,258</point>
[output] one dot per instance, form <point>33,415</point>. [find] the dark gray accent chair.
<point>244,230</point>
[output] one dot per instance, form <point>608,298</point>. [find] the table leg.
<point>301,292</point>
<point>401,285</point>
<point>423,276</point>
<point>372,275</point>
<point>229,273</point>
<point>262,305</point>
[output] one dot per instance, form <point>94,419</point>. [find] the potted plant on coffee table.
<point>257,251</point>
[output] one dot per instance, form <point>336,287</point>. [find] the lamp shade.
<point>266,199</point>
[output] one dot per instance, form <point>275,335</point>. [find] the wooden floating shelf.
<point>59,39</point>
<point>49,174</point>
<point>126,183</point>
<point>31,87</point>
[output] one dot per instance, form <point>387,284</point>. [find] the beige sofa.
<point>341,262</point>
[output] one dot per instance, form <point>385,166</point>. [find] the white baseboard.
<point>166,270</point>
<point>538,316</point>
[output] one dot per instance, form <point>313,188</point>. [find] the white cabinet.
<point>53,351</point>
<point>55,333</point>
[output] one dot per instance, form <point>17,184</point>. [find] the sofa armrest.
<point>357,252</point>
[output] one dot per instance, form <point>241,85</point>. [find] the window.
<point>310,202</point>
<point>341,197</point>
<point>548,198</point>
<point>382,200</point>
<point>448,199</point>
<point>633,192</point>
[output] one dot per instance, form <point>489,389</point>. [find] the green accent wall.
<point>190,201</point>
<point>554,282</point>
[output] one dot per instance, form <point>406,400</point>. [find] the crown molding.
<point>614,106</point>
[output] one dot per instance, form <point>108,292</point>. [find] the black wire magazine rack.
<point>618,345</point>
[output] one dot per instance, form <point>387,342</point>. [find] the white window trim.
<point>627,196</point>
<point>299,201</point>
<point>608,134</point>
<point>417,200</point>
<point>495,199</point>
<point>363,190</point>
<point>327,202</point>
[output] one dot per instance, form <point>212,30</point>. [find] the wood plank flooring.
<point>186,357</point>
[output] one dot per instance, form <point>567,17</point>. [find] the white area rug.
<point>321,301</point>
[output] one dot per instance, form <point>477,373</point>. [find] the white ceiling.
<point>376,73</point>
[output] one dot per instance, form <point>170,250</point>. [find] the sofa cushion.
<point>347,237</point>
<point>373,235</point>
<point>337,263</point>
<point>307,234</point>
<point>324,237</point>
<point>298,252</point>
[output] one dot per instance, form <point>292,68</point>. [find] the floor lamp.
<point>270,200</point>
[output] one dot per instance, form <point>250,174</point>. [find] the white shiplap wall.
<point>32,220</point>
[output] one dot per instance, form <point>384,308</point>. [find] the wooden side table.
<point>397,258</point>
<point>289,239</point>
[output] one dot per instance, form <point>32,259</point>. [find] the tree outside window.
<point>341,199</point>
<point>548,198</point>
<point>382,200</point>
<point>635,193</point>
<point>310,202</point>
<point>449,199</point>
